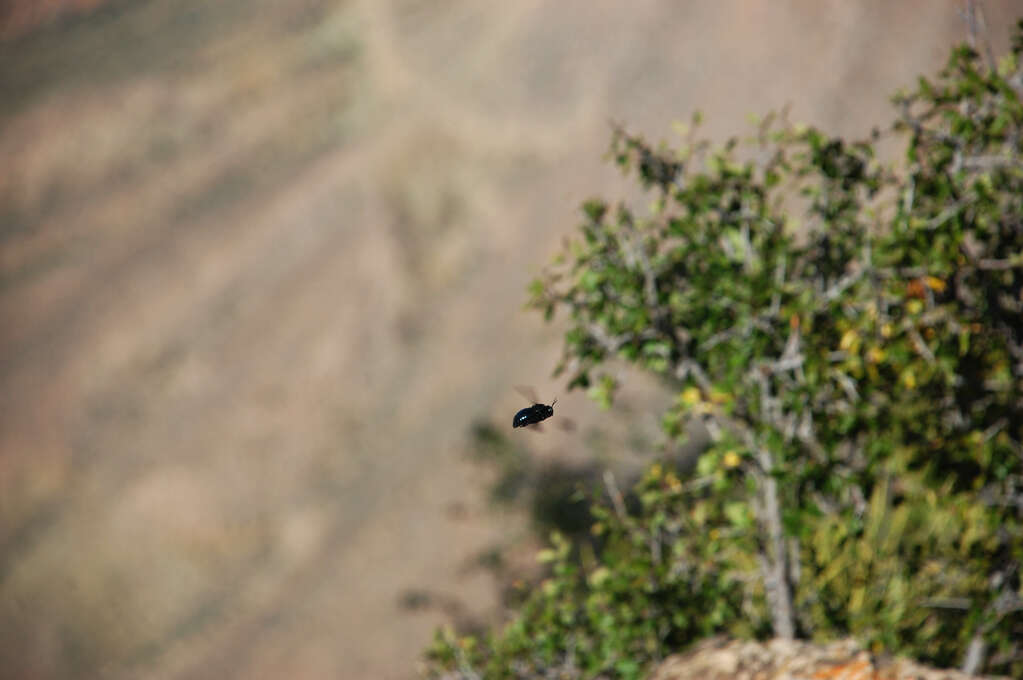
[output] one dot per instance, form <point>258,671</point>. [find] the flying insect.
<point>531,415</point>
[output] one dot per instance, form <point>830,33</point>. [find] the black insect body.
<point>531,415</point>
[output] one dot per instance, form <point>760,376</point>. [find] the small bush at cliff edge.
<point>851,333</point>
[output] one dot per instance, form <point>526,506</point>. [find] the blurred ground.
<point>261,272</point>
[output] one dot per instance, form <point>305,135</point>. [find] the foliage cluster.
<point>860,369</point>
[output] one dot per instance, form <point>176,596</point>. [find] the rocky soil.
<point>720,659</point>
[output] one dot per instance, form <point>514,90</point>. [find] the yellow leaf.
<point>909,379</point>
<point>704,407</point>
<point>935,284</point>
<point>599,575</point>
<point>690,396</point>
<point>856,600</point>
<point>886,330</point>
<point>850,341</point>
<point>731,459</point>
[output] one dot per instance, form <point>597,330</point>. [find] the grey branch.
<point>614,493</point>
<point>775,564</point>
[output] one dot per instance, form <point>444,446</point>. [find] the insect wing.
<point>529,393</point>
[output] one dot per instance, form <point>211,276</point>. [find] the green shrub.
<point>860,369</point>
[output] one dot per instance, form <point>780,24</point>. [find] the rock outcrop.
<point>721,659</point>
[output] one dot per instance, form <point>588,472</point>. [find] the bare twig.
<point>976,27</point>
<point>1005,602</point>
<point>614,493</point>
<point>958,603</point>
<point>655,545</point>
<point>990,162</point>
<point>842,284</point>
<point>612,345</point>
<point>779,281</point>
<point>687,368</point>
<point>943,217</point>
<point>465,670</point>
<point>990,264</point>
<point>975,653</point>
<point>920,345</point>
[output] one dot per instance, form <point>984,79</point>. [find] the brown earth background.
<point>262,267</point>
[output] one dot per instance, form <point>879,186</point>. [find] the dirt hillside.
<point>262,267</point>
